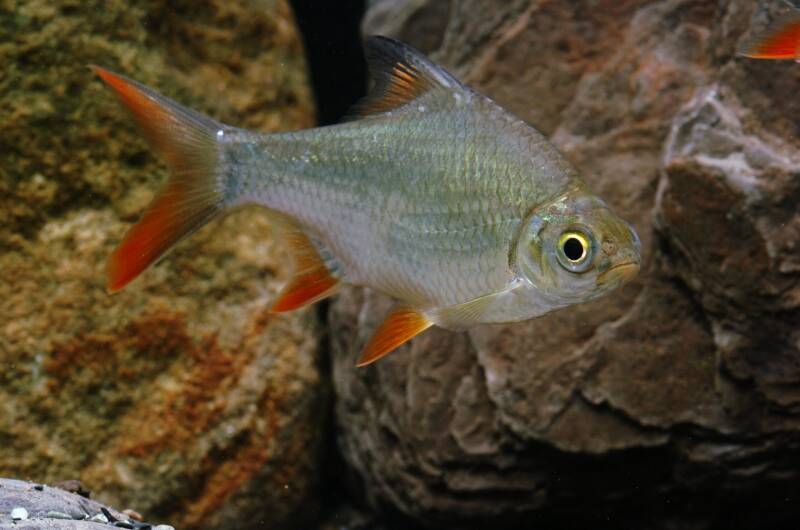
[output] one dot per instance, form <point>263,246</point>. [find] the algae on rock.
<point>180,396</point>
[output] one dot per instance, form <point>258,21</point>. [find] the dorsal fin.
<point>399,74</point>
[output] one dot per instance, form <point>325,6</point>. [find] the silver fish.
<point>432,194</point>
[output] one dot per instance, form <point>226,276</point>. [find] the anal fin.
<point>312,281</point>
<point>402,324</point>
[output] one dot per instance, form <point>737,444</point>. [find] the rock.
<point>682,386</point>
<point>25,505</point>
<point>180,396</point>
<point>346,517</point>
<point>419,21</point>
<point>73,486</point>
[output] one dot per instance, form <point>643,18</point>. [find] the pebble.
<point>57,515</point>
<point>99,518</point>
<point>163,527</point>
<point>19,513</point>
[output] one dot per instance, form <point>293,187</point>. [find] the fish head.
<point>576,249</point>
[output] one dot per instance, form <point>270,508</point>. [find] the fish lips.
<point>619,274</point>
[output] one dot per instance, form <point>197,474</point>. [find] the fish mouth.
<point>620,273</point>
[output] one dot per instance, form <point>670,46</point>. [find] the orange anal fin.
<point>403,324</point>
<point>779,41</point>
<point>312,280</point>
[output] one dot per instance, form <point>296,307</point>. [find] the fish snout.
<point>627,262</point>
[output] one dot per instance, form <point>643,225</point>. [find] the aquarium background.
<point>672,403</point>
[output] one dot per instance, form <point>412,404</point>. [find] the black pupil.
<point>573,249</point>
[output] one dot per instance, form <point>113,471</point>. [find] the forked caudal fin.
<point>188,142</point>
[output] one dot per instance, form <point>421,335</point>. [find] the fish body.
<point>433,195</point>
<point>424,205</point>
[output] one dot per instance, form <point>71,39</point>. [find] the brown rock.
<point>181,396</point>
<point>670,404</point>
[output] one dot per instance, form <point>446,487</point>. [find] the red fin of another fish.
<point>312,279</point>
<point>187,142</point>
<point>779,41</point>
<point>400,74</point>
<point>403,324</point>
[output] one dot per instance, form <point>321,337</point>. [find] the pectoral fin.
<point>463,316</point>
<point>402,324</point>
<point>313,279</point>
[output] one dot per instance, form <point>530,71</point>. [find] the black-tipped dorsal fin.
<point>399,74</point>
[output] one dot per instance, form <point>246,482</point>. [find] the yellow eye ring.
<point>574,246</point>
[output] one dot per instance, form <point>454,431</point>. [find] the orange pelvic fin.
<point>779,41</point>
<point>402,324</point>
<point>187,141</point>
<point>312,279</point>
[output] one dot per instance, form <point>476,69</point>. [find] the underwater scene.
<point>400,264</point>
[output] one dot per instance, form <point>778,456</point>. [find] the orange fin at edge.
<point>779,41</point>
<point>402,324</point>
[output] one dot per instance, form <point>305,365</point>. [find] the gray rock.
<point>684,385</point>
<point>419,21</point>
<point>48,507</point>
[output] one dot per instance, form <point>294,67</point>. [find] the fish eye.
<point>574,250</point>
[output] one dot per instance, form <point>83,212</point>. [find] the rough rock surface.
<point>180,396</point>
<point>674,403</point>
<point>52,508</point>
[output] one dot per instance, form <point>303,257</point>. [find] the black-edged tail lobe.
<point>188,142</point>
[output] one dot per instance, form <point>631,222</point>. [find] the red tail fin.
<point>187,142</point>
<point>779,41</point>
